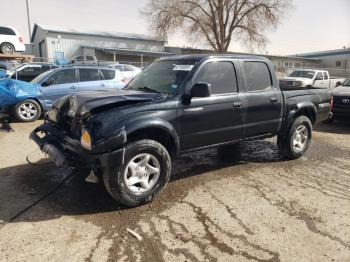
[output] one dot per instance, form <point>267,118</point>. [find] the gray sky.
<point>313,25</point>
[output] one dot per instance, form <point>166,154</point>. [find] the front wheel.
<point>27,111</point>
<point>295,143</point>
<point>144,174</point>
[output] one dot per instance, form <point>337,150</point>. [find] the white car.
<point>127,71</point>
<point>10,40</point>
<point>306,78</point>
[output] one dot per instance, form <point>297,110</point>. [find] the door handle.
<point>237,104</point>
<point>72,87</point>
<point>274,99</point>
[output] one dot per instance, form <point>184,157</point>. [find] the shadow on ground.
<point>23,184</point>
<point>336,127</point>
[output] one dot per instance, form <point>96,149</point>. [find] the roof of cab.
<point>199,57</point>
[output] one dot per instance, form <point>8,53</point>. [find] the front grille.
<point>341,101</point>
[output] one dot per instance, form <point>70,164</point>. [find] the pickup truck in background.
<point>309,78</point>
<point>176,105</point>
<point>306,78</point>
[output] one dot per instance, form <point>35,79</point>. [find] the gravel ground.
<point>221,205</point>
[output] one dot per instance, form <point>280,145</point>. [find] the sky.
<point>312,25</point>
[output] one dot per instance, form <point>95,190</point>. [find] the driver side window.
<point>221,76</point>
<point>319,76</point>
<point>65,76</point>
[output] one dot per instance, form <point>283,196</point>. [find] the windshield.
<point>162,76</point>
<point>346,82</point>
<point>303,74</point>
<point>40,77</point>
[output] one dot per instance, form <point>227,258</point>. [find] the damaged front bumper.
<point>66,151</point>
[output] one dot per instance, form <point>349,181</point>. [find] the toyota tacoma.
<point>175,105</point>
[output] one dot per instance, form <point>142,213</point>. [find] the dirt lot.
<point>248,206</point>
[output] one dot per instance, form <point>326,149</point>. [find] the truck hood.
<point>341,91</point>
<point>86,103</point>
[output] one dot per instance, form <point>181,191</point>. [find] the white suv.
<point>10,40</point>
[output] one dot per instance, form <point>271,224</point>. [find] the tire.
<point>27,110</point>
<point>297,140</point>
<point>128,184</point>
<point>7,48</point>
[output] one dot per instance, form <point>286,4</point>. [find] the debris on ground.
<point>134,234</point>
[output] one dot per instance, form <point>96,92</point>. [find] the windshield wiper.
<point>146,88</point>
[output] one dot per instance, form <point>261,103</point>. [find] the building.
<point>50,43</point>
<point>336,61</point>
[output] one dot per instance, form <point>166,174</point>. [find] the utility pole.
<point>28,17</point>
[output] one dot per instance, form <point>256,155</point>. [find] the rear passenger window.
<point>325,76</point>
<point>108,74</point>
<point>258,76</point>
<point>221,76</point>
<point>87,74</point>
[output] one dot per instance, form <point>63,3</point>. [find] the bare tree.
<point>217,21</point>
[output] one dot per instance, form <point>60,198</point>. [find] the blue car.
<point>27,101</point>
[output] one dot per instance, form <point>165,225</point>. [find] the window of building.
<point>87,74</point>
<point>338,64</point>
<point>221,76</point>
<point>258,76</point>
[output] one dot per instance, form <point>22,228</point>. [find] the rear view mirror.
<point>200,90</point>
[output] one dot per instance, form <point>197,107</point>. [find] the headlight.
<point>86,140</point>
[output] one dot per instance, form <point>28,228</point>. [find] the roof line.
<point>97,33</point>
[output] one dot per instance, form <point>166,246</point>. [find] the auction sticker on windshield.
<point>183,67</point>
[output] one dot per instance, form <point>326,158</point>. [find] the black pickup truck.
<point>175,105</point>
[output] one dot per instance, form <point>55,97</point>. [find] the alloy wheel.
<point>142,173</point>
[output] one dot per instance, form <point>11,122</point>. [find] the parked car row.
<point>26,101</point>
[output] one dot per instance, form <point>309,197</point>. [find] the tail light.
<point>20,39</point>
<point>125,81</point>
<point>332,104</point>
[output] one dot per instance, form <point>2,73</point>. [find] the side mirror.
<point>200,90</point>
<point>48,82</point>
<point>338,84</point>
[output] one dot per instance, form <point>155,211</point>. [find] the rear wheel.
<point>144,174</point>
<point>27,111</point>
<point>296,142</point>
<point>7,48</point>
